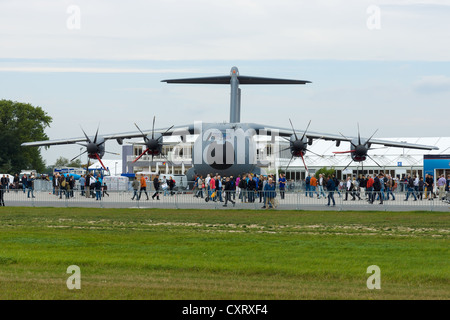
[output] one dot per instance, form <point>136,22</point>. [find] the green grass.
<point>223,254</point>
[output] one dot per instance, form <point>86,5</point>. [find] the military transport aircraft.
<point>229,148</point>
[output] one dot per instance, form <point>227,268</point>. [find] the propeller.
<point>94,147</point>
<point>359,150</point>
<point>298,147</point>
<point>153,144</point>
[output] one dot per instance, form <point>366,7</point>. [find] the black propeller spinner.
<point>298,147</point>
<point>153,144</point>
<point>359,150</point>
<point>94,148</point>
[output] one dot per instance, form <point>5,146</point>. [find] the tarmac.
<point>291,201</point>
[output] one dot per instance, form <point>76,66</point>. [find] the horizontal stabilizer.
<point>259,80</point>
<point>241,79</point>
<point>204,80</point>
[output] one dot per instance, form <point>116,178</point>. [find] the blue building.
<point>436,164</point>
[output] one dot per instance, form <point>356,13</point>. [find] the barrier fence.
<point>402,201</point>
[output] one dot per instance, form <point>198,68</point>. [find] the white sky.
<point>384,64</point>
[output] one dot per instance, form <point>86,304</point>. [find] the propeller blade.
<point>344,136</point>
<point>371,137</point>
<point>99,144</point>
<point>96,134</point>
<point>284,149</point>
<point>347,165</point>
<point>78,156</point>
<point>293,130</point>
<point>100,160</point>
<point>143,134</point>
<point>347,139</point>
<point>153,128</point>
<point>359,136</point>
<point>304,161</point>
<point>374,161</point>
<point>87,138</point>
<point>314,153</point>
<point>165,132</point>
<point>117,154</point>
<point>141,155</point>
<point>344,151</point>
<point>288,164</point>
<point>304,133</point>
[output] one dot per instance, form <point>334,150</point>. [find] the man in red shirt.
<point>369,189</point>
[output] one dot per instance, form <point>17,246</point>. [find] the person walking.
<point>82,182</point>
<point>2,192</point>
<point>429,183</point>
<point>349,189</point>
<point>369,188</point>
<point>282,185</point>
<point>98,189</point>
<point>410,188</point>
<point>312,186</point>
<point>270,192</point>
<point>30,186</point>
<point>228,189</point>
<point>377,188</point>
<point>143,187</point>
<point>321,184</point>
<point>135,185</point>
<point>389,186</point>
<point>105,189</point>
<point>441,185</point>
<point>307,185</point>
<point>156,186</point>
<point>331,187</point>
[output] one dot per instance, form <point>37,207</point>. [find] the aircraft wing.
<point>287,132</point>
<point>55,142</point>
<point>176,130</point>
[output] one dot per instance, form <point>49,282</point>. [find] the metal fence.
<point>243,200</point>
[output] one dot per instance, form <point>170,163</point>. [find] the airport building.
<point>276,157</point>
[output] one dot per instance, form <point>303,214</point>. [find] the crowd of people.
<point>139,185</point>
<point>376,187</point>
<point>91,186</point>
<point>246,188</point>
<point>249,188</point>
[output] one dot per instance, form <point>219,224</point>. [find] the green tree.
<point>64,162</point>
<point>19,123</point>
<point>325,171</point>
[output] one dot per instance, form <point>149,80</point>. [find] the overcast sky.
<point>384,64</point>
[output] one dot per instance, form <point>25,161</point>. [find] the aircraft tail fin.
<point>234,80</point>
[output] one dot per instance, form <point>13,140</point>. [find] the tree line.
<point>19,123</point>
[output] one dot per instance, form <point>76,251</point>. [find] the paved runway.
<point>292,201</point>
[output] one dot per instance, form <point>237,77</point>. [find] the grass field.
<point>224,254</point>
